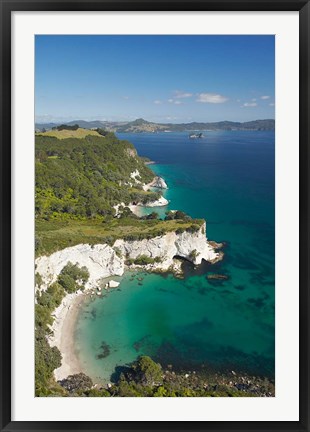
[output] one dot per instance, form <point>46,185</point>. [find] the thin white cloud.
<point>265,97</point>
<point>126,97</point>
<point>250,104</point>
<point>175,102</point>
<point>157,102</point>
<point>180,94</point>
<point>211,98</point>
<point>253,100</point>
<point>271,104</point>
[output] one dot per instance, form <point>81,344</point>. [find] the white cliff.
<point>157,182</point>
<point>100,260</point>
<point>161,202</point>
<point>103,261</point>
<point>134,176</point>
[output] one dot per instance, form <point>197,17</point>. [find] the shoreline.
<point>63,329</point>
<point>65,316</point>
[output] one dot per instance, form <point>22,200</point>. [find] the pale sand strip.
<point>63,334</point>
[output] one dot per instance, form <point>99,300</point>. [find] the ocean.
<point>227,178</point>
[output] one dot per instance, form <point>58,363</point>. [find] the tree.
<point>170,215</point>
<point>193,255</point>
<point>146,371</point>
<point>67,282</point>
<point>181,215</point>
<point>152,215</point>
<point>80,382</point>
<point>46,360</point>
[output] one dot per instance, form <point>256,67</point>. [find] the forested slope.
<point>84,177</point>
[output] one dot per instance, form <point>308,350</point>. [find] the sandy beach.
<point>63,334</point>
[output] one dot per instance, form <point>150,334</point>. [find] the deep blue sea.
<point>227,178</point>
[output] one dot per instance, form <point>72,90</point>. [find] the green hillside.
<point>79,180</point>
<point>86,174</point>
<point>69,133</point>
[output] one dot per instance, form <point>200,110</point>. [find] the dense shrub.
<point>67,127</point>
<point>177,215</point>
<point>68,283</point>
<point>193,228</point>
<point>193,255</point>
<point>143,260</point>
<point>38,279</point>
<point>46,360</point>
<point>72,277</point>
<point>78,382</point>
<point>147,372</point>
<point>75,272</point>
<point>43,317</point>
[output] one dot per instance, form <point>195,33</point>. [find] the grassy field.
<point>55,235</point>
<point>63,134</point>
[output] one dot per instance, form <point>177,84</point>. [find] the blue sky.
<point>160,78</point>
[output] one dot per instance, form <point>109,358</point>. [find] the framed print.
<point>154,204</point>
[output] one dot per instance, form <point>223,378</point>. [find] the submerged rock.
<point>104,351</point>
<point>217,276</point>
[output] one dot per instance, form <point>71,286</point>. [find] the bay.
<point>227,178</point>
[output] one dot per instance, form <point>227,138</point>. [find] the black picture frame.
<point>7,7</point>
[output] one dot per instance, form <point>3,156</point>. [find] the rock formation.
<point>159,182</point>
<point>102,260</point>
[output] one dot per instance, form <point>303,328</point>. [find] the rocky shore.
<point>157,182</point>
<point>104,261</point>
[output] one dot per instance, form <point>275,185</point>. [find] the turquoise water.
<point>228,179</point>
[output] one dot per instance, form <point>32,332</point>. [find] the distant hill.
<point>140,125</point>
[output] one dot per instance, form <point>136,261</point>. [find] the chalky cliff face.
<point>103,260</point>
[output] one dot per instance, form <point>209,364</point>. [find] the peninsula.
<point>87,182</point>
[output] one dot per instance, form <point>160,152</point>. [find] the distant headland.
<point>143,126</point>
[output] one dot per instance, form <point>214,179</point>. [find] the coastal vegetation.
<point>79,181</point>
<point>146,378</point>
<point>143,260</point>
<point>47,358</point>
<point>73,278</point>
<point>57,234</point>
<point>86,174</point>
